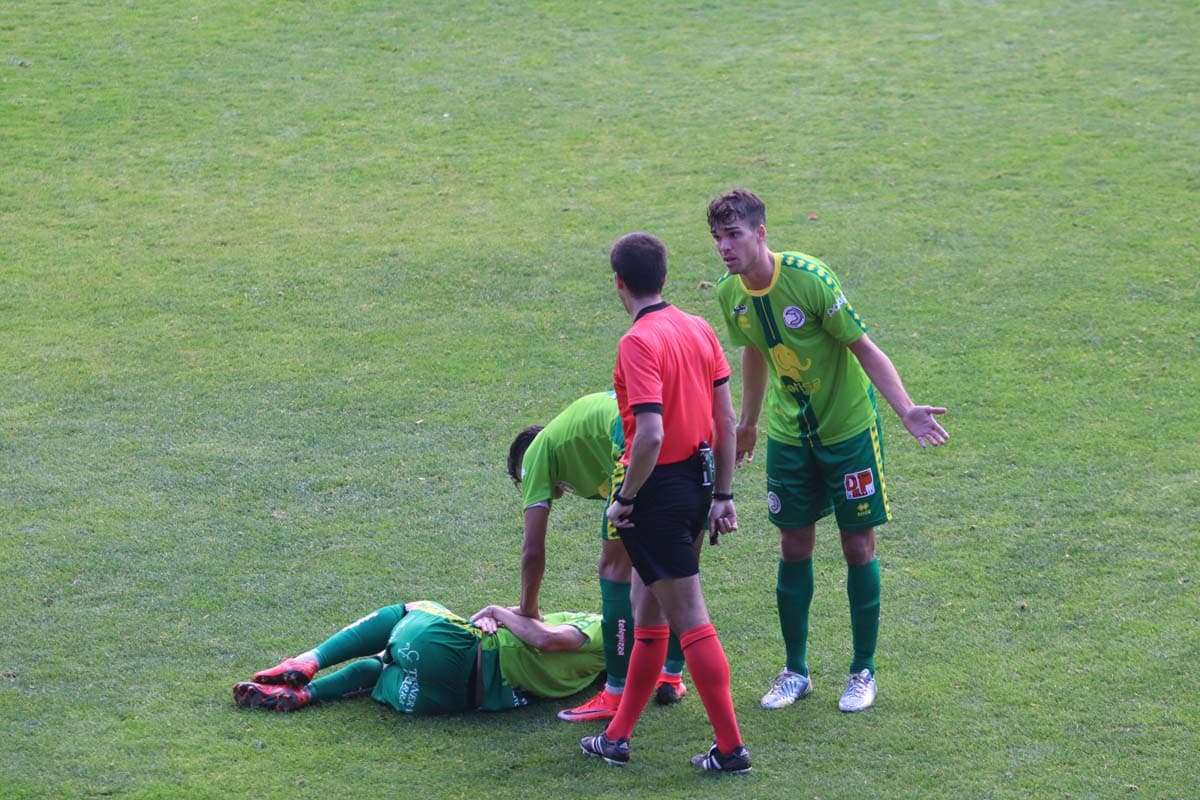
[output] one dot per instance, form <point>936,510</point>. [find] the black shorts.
<point>672,507</point>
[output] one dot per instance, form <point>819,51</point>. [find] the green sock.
<point>357,678</point>
<point>794,594</point>
<point>674,662</point>
<point>617,627</point>
<point>366,637</point>
<point>863,590</point>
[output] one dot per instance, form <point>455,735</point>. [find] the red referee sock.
<point>709,669</point>
<point>645,662</point>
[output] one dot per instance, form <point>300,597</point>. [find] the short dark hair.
<point>516,452</point>
<point>640,260</point>
<point>737,205</point>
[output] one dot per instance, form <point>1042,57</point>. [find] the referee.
<point>672,384</point>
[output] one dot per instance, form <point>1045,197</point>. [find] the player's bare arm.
<point>754,389</point>
<point>722,516</point>
<point>533,632</point>
<point>919,420</point>
<point>533,560</point>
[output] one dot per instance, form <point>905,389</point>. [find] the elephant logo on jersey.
<point>774,504</point>
<point>791,370</point>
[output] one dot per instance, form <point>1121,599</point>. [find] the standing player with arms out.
<point>672,383</point>
<point>579,451</point>
<point>801,337</point>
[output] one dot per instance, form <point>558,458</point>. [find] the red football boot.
<point>272,698</point>
<point>294,672</point>
<point>670,690</point>
<point>600,708</point>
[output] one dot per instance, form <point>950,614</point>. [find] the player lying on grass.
<point>422,658</point>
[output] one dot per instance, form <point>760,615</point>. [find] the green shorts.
<point>808,482</point>
<point>428,662</point>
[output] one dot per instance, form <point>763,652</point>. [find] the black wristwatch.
<point>722,495</point>
<point>625,501</point>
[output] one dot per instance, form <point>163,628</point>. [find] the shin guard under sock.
<point>356,679</point>
<point>710,673</point>
<point>645,662</point>
<point>793,595</point>
<point>616,625</point>
<point>863,591</point>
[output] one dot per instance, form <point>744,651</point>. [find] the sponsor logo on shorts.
<point>774,504</point>
<point>859,484</point>
<point>409,690</point>
<point>793,316</point>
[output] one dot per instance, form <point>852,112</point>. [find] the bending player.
<point>579,452</point>
<point>421,658</point>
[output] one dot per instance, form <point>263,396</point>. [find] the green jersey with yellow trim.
<point>555,674</point>
<point>801,324</point>
<point>575,451</point>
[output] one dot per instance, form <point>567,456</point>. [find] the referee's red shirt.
<point>671,359</point>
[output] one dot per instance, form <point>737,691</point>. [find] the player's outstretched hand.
<point>924,427</point>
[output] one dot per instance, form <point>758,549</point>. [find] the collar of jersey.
<point>774,277</point>
<point>650,309</point>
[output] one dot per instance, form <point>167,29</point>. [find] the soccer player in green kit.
<point>806,350</point>
<point>422,658</point>
<point>579,452</point>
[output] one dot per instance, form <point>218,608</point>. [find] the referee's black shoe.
<point>735,763</point>
<point>614,751</point>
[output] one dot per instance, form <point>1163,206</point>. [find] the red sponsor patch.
<point>859,484</point>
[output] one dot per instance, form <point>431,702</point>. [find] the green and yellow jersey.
<point>801,324</point>
<point>431,662</point>
<point>575,451</point>
<point>558,674</point>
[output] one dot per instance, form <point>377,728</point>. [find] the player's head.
<point>640,261</point>
<point>516,452</point>
<point>738,205</point>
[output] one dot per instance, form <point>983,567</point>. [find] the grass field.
<point>279,282</point>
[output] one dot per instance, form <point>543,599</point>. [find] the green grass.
<point>280,282</point>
